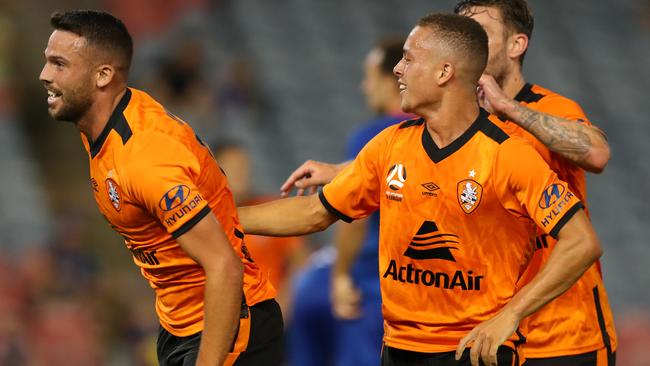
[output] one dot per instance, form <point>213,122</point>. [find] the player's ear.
<point>445,73</point>
<point>104,75</point>
<point>517,45</point>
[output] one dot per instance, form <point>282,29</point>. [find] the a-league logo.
<point>396,177</point>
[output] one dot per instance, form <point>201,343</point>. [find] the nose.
<point>397,70</point>
<point>45,75</point>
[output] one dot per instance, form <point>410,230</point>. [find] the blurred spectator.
<point>181,83</point>
<point>279,257</point>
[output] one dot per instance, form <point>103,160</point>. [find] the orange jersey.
<point>580,320</point>
<point>153,180</point>
<point>456,225</point>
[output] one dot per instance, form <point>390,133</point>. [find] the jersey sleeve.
<point>162,180</point>
<point>560,106</point>
<point>526,186</point>
<point>355,192</point>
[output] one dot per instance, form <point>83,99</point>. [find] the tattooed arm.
<point>583,145</point>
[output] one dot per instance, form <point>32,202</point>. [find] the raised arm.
<point>209,246</point>
<point>292,216</point>
<point>584,145</point>
<point>576,250</point>
<point>310,175</point>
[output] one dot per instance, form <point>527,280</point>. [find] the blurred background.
<point>281,78</point>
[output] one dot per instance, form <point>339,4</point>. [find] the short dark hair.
<point>392,48</point>
<point>100,29</point>
<point>462,34</point>
<point>516,14</point>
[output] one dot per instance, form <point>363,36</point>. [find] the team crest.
<point>113,193</point>
<point>469,194</point>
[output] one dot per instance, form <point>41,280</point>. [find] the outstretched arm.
<point>584,145</point>
<point>576,250</point>
<point>286,217</point>
<point>310,175</point>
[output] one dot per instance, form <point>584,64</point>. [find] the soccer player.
<point>160,188</point>
<point>577,328</point>
<point>458,200</point>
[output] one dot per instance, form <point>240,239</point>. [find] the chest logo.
<point>113,193</point>
<point>469,194</point>
<point>174,197</point>
<point>396,177</point>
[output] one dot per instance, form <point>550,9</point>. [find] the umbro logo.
<point>430,189</point>
<point>430,243</point>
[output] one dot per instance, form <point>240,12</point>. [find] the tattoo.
<point>569,139</point>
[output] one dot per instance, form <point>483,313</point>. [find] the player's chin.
<point>406,106</point>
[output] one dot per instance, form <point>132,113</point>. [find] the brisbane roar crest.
<point>114,194</point>
<point>469,193</point>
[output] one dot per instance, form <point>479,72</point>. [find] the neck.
<point>513,82</point>
<point>94,121</point>
<point>452,117</point>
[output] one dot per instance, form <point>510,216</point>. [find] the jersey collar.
<point>115,122</point>
<point>527,95</point>
<point>437,154</point>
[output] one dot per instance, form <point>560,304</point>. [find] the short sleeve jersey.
<point>153,180</point>
<point>580,320</point>
<point>456,225</point>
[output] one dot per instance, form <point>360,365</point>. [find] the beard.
<point>74,104</point>
<point>497,68</point>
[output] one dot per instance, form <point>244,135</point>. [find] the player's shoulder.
<point>533,93</point>
<point>153,124</point>
<point>516,151</point>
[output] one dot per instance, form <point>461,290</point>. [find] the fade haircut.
<point>516,14</point>
<point>392,51</point>
<point>463,36</point>
<point>101,30</point>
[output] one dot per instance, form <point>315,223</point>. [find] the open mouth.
<point>53,96</point>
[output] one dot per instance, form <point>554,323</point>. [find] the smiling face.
<point>68,76</point>
<point>417,70</point>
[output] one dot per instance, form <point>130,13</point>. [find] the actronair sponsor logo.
<point>430,243</point>
<point>458,280</point>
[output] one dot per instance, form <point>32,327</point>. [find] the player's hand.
<point>487,337</point>
<point>308,177</point>
<point>492,98</point>
<point>346,298</point>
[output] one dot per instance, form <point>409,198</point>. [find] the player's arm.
<point>582,144</point>
<point>291,216</point>
<point>310,175</point>
<point>344,294</point>
<point>576,250</point>
<point>209,246</point>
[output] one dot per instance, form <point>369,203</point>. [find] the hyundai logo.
<point>174,197</point>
